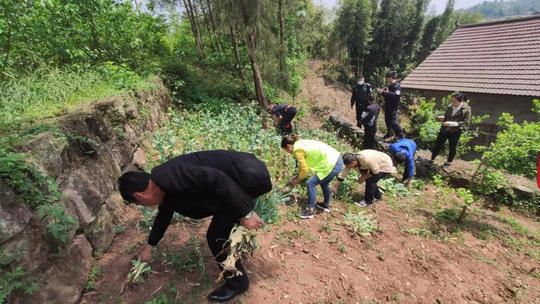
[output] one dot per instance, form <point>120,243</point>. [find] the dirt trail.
<point>324,97</point>
<point>414,257</point>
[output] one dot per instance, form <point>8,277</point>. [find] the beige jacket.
<point>374,161</point>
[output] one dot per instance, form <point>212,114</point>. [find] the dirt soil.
<point>415,256</point>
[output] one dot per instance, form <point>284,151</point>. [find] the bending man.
<point>403,152</point>
<point>222,184</point>
<point>373,166</point>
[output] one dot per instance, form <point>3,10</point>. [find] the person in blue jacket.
<point>403,151</point>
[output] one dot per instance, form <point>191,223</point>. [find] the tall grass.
<point>49,91</point>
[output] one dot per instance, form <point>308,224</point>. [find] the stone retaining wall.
<point>111,131</point>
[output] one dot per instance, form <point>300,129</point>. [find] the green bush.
<point>516,147</point>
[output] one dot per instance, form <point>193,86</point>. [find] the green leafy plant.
<point>359,223</point>
<point>13,277</point>
<point>468,200</point>
<point>119,229</point>
<point>147,218</point>
<point>187,258</point>
<point>32,186</point>
<point>59,224</point>
<point>95,272</point>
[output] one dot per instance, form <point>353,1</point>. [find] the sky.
<point>436,6</point>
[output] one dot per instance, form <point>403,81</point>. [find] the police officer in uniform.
<point>392,99</point>
<point>359,98</point>
<point>222,184</point>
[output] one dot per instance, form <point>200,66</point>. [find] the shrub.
<point>516,147</point>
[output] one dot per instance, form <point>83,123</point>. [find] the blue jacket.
<point>408,147</point>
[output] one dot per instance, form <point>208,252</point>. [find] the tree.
<point>446,26</point>
<point>190,10</point>
<point>418,23</point>
<point>428,39</point>
<point>354,26</point>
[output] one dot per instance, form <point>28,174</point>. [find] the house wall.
<point>492,104</point>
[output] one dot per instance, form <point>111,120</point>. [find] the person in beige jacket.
<point>373,166</point>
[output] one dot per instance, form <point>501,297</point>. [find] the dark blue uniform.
<point>392,99</point>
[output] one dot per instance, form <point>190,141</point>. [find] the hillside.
<point>406,249</point>
<point>506,9</point>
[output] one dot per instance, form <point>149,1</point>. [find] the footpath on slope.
<point>415,256</point>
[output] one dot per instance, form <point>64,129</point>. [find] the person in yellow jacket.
<point>318,158</point>
<point>373,165</point>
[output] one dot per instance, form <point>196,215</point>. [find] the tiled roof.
<point>500,57</point>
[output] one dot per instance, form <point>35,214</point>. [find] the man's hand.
<point>146,253</point>
<point>335,188</point>
<point>295,181</point>
<point>446,123</point>
<point>254,222</point>
<point>363,178</point>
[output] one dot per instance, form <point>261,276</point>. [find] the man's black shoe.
<point>224,293</point>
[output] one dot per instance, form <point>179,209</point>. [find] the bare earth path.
<point>415,256</point>
<point>324,97</point>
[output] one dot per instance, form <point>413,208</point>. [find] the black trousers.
<point>372,190</point>
<point>217,234</point>
<point>222,224</point>
<point>392,123</point>
<point>285,124</point>
<point>360,107</point>
<point>370,141</point>
<point>453,139</point>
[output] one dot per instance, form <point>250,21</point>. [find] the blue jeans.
<point>325,184</point>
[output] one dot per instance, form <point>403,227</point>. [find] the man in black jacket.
<point>392,98</point>
<point>369,121</point>
<point>359,98</point>
<point>222,184</point>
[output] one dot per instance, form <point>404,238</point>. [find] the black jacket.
<point>360,94</point>
<point>370,115</point>
<point>206,183</point>
<point>393,97</point>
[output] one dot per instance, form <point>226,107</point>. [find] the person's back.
<point>191,176</point>
<point>320,157</point>
<point>376,161</point>
<point>403,144</point>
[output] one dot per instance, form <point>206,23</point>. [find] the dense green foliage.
<point>516,147</point>
<point>502,9</point>
<point>60,32</point>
